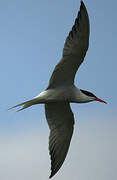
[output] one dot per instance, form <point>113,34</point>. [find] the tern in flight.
<point>61,91</point>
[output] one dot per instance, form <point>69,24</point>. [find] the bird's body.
<point>61,91</point>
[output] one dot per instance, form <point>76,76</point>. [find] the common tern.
<point>61,91</point>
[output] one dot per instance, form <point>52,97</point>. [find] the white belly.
<point>69,94</point>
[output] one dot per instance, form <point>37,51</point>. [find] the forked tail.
<point>24,105</point>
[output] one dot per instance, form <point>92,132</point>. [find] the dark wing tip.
<point>51,175</point>
<point>83,7</point>
<point>54,170</point>
<point>83,14</point>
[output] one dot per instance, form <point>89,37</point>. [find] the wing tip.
<point>82,9</point>
<point>52,174</point>
<point>83,13</point>
<point>82,5</point>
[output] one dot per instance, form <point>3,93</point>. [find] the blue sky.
<point>32,35</point>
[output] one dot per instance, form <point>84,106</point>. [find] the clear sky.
<point>32,35</point>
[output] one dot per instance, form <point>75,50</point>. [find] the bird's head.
<point>91,96</point>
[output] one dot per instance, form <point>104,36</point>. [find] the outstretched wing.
<point>60,120</point>
<point>74,51</point>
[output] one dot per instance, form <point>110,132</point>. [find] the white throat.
<point>80,97</point>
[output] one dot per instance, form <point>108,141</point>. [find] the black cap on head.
<point>88,93</point>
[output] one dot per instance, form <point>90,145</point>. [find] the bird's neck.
<point>80,97</point>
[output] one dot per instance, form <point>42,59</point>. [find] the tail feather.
<point>24,105</point>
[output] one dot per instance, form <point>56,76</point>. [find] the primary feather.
<point>75,48</point>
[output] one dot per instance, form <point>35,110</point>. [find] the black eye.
<point>87,93</point>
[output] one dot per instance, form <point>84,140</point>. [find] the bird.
<point>61,91</point>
